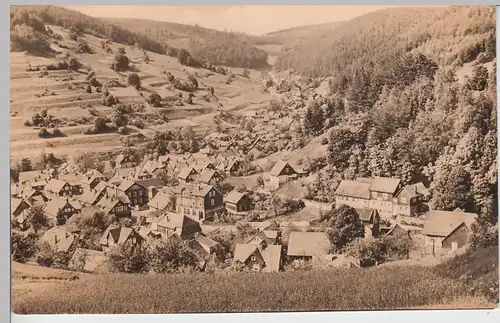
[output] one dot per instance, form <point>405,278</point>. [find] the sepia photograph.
<point>262,158</point>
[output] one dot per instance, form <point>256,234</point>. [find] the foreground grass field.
<point>342,289</point>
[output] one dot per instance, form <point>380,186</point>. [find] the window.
<point>200,214</point>
<point>140,193</point>
<point>135,193</point>
<point>140,200</point>
<point>384,195</point>
<point>375,195</point>
<point>253,258</point>
<point>212,202</point>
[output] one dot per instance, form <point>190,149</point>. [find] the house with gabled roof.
<point>62,188</point>
<point>61,209</point>
<point>386,195</point>
<point>59,239</point>
<point>264,237</point>
<point>282,172</point>
<point>447,230</point>
<point>307,246</point>
<point>261,258</point>
<point>31,176</point>
<point>205,246</point>
<point>355,194</point>
<point>163,160</point>
<point>152,185</point>
<point>91,196</point>
<point>383,191</point>
<point>116,235</point>
<point>371,221</point>
<point>187,174</point>
<point>17,206</point>
<point>198,201</point>
<point>92,179</point>
<point>179,224</point>
<point>124,173</point>
<point>209,177</point>
<point>123,161</point>
<point>119,206</point>
<point>135,191</point>
<point>161,202</point>
<point>238,203</point>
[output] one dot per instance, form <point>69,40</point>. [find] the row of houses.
<point>386,195</point>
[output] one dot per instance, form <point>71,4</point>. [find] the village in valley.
<point>125,160</point>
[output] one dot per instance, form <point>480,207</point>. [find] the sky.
<point>254,20</point>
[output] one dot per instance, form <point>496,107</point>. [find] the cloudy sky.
<point>254,20</point>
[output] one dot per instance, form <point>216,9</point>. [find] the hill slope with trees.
<point>217,47</point>
<point>54,15</point>
<point>398,107</point>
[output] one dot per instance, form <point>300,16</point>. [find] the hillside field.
<point>68,99</point>
<point>384,288</point>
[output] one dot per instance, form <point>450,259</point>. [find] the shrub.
<point>170,77</point>
<point>171,255</point>
<point>45,255</point>
<point>134,80</point>
<point>57,133</point>
<point>155,100</point>
<point>43,133</point>
<point>128,258</point>
<point>74,64</point>
<point>23,246</point>
<point>379,250</point>
<point>109,100</point>
<point>120,63</point>
<point>193,81</point>
<point>82,46</point>
<point>345,226</point>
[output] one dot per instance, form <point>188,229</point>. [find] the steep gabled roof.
<point>59,238</point>
<point>186,172</point>
<point>385,185</point>
<point>234,197</point>
<point>206,176</point>
<point>160,201</point>
<point>178,221</point>
<point>442,223</point>
<point>308,244</point>
<point>55,185</point>
<point>278,167</point>
<point>353,189</point>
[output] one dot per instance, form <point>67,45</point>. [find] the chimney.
<point>55,239</point>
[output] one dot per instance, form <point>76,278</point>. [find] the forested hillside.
<point>217,47</point>
<point>420,106</point>
<point>296,36</point>
<point>439,33</point>
<point>29,17</point>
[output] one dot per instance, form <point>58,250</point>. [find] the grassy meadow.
<point>339,289</point>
